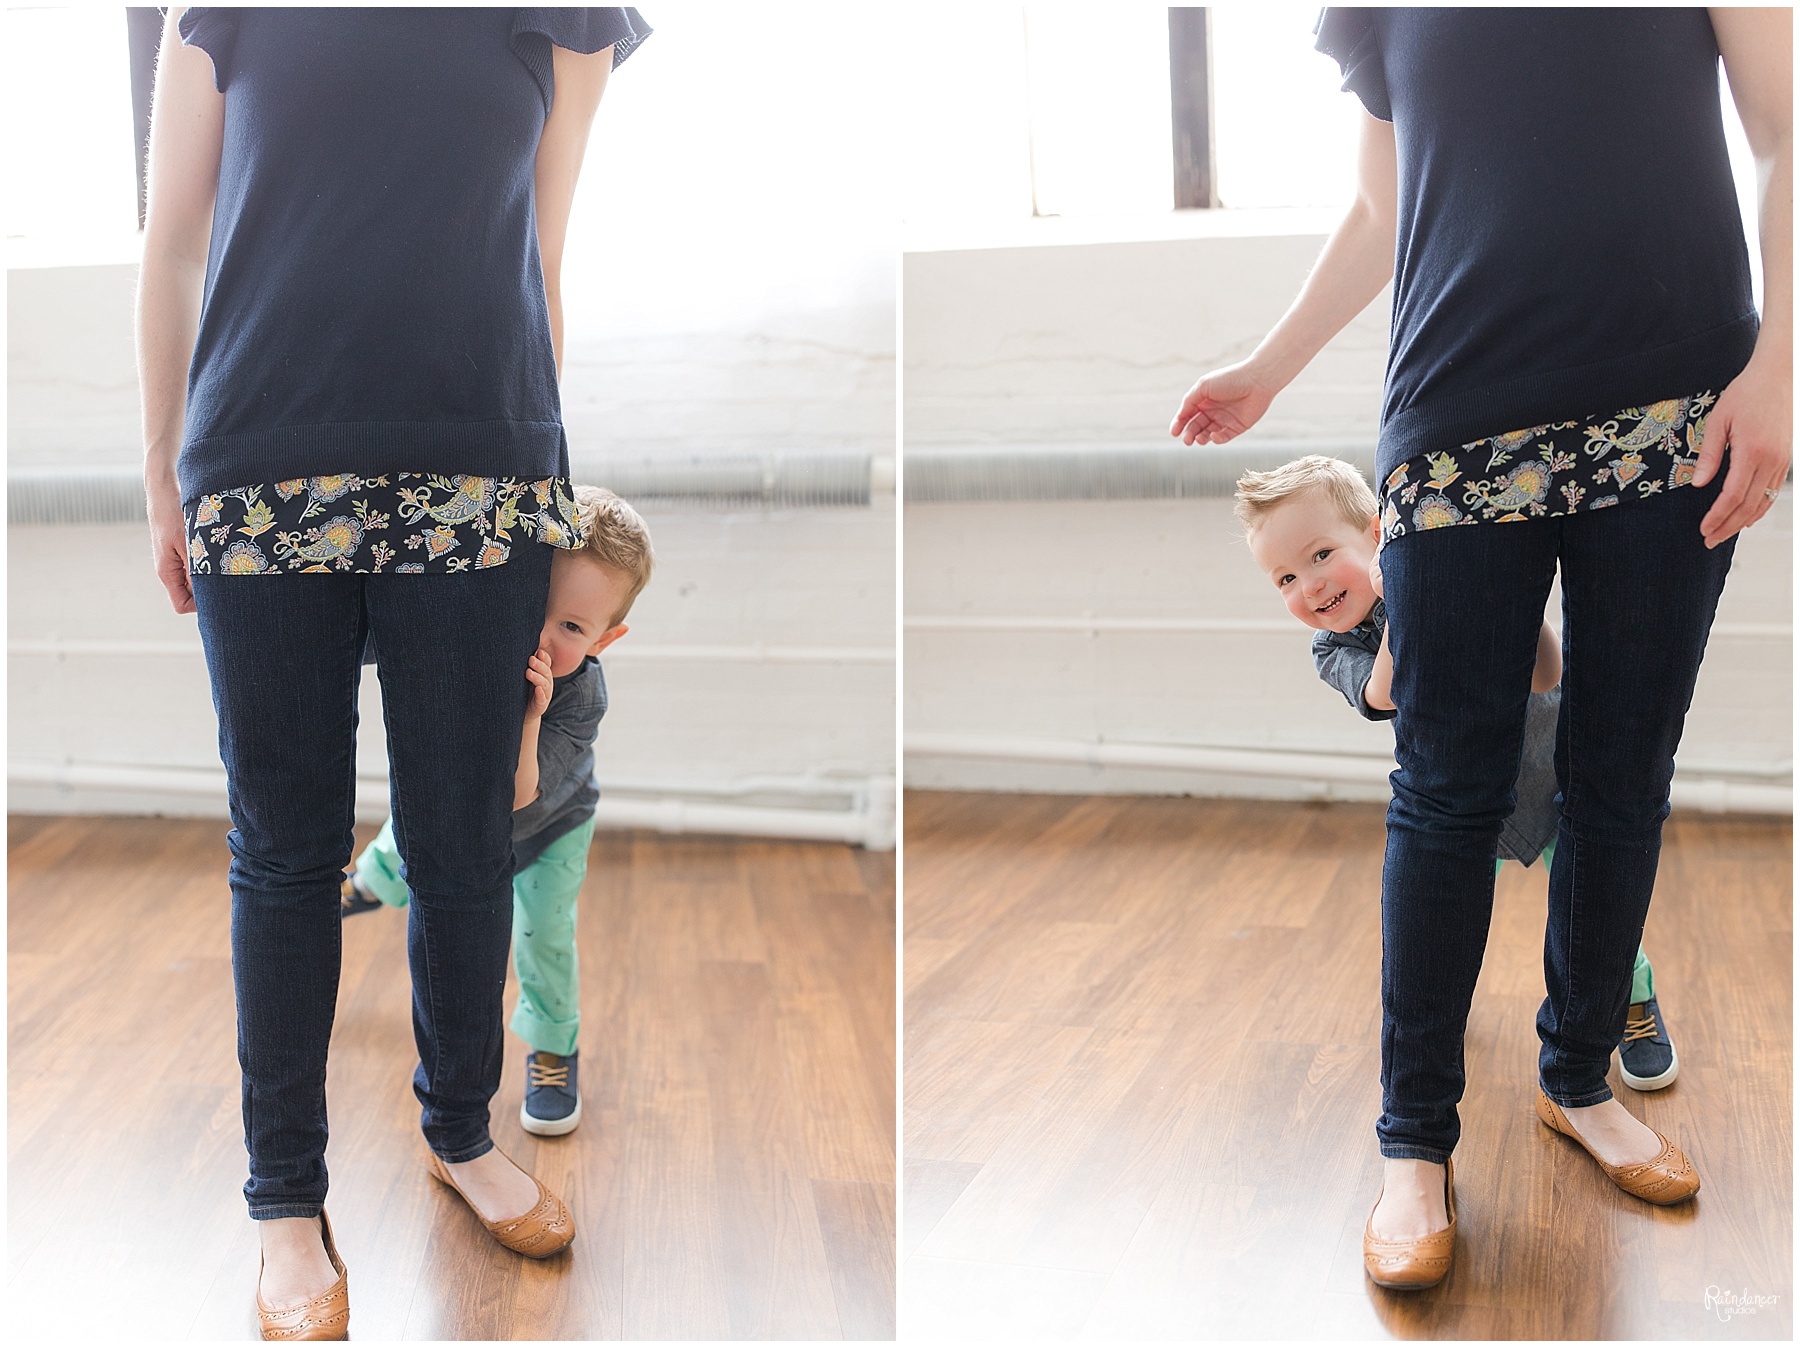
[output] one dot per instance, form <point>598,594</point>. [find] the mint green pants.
<point>1643,988</point>
<point>548,1016</point>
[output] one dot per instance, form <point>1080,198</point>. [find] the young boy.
<point>591,590</point>
<point>1312,527</point>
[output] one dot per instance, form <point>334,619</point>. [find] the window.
<point>72,187</point>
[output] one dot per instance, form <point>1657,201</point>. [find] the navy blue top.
<point>374,301</point>
<point>1568,236</point>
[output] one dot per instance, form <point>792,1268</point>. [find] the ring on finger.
<point>1772,493</point>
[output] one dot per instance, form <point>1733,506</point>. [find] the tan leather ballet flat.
<point>1411,1265</point>
<point>1668,1177</point>
<point>325,1317</point>
<point>540,1233</point>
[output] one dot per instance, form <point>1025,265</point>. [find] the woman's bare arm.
<point>187,133</point>
<point>579,82</point>
<point>1358,260</point>
<point>1755,413</point>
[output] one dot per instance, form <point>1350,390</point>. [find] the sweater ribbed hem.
<point>530,449</point>
<point>1707,360</point>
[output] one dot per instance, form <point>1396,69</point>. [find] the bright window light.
<point>1284,132</point>
<point>1099,109</point>
<point>72,179</point>
<point>741,165</point>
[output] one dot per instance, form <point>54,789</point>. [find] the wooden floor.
<point>733,1175</point>
<point>1142,1074</point>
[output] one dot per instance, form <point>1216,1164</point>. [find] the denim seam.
<point>275,1211</point>
<point>1407,1151</point>
<point>1571,793</point>
<point>1598,1097</point>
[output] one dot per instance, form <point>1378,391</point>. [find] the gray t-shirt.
<point>567,791</point>
<point>1346,659</point>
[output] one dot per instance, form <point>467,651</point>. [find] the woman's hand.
<point>1754,417</point>
<point>1357,262</point>
<point>168,540</point>
<point>543,683</point>
<point>1223,404</point>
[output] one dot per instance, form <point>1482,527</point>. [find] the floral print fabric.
<point>1556,469</point>
<point>403,523</point>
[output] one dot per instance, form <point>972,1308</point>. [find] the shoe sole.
<point>1404,1286</point>
<point>550,1127</point>
<point>1655,1083</point>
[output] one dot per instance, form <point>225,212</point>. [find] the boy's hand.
<point>1375,575</point>
<point>543,683</point>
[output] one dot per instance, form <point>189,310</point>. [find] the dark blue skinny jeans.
<point>1464,605</point>
<point>285,656</point>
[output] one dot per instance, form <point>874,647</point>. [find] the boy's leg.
<point>378,869</point>
<point>545,895</point>
<point>1643,983</point>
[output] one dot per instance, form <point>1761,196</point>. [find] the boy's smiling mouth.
<point>1333,604</point>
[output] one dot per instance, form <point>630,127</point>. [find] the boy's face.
<point>1318,561</point>
<point>583,597</point>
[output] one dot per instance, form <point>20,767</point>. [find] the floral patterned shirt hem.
<point>401,523</point>
<point>1559,469</point>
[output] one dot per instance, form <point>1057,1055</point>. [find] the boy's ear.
<point>1375,527</point>
<point>607,638</point>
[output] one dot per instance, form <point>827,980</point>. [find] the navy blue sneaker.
<point>1647,1059</point>
<point>552,1094</point>
<point>352,900</point>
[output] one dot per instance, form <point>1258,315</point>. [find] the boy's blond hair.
<point>1259,493</point>
<point>615,535</point>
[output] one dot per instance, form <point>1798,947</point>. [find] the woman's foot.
<point>352,900</point>
<point>1410,1239</point>
<point>1659,1172</point>
<point>1613,1134</point>
<point>295,1267</point>
<point>496,1188</point>
<point>1412,1201</point>
<point>537,1228</point>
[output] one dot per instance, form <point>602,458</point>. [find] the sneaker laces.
<point>1641,1029</point>
<point>544,1074</point>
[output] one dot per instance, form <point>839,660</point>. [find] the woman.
<point>349,332</point>
<point>1573,353</point>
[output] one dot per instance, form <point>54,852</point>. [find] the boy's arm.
<point>1378,692</point>
<point>1349,667</point>
<point>564,736</point>
<point>525,776</point>
<point>1549,661</point>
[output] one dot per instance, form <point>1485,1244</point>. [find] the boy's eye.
<point>1321,554</point>
<point>1284,580</point>
<point>574,627</point>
